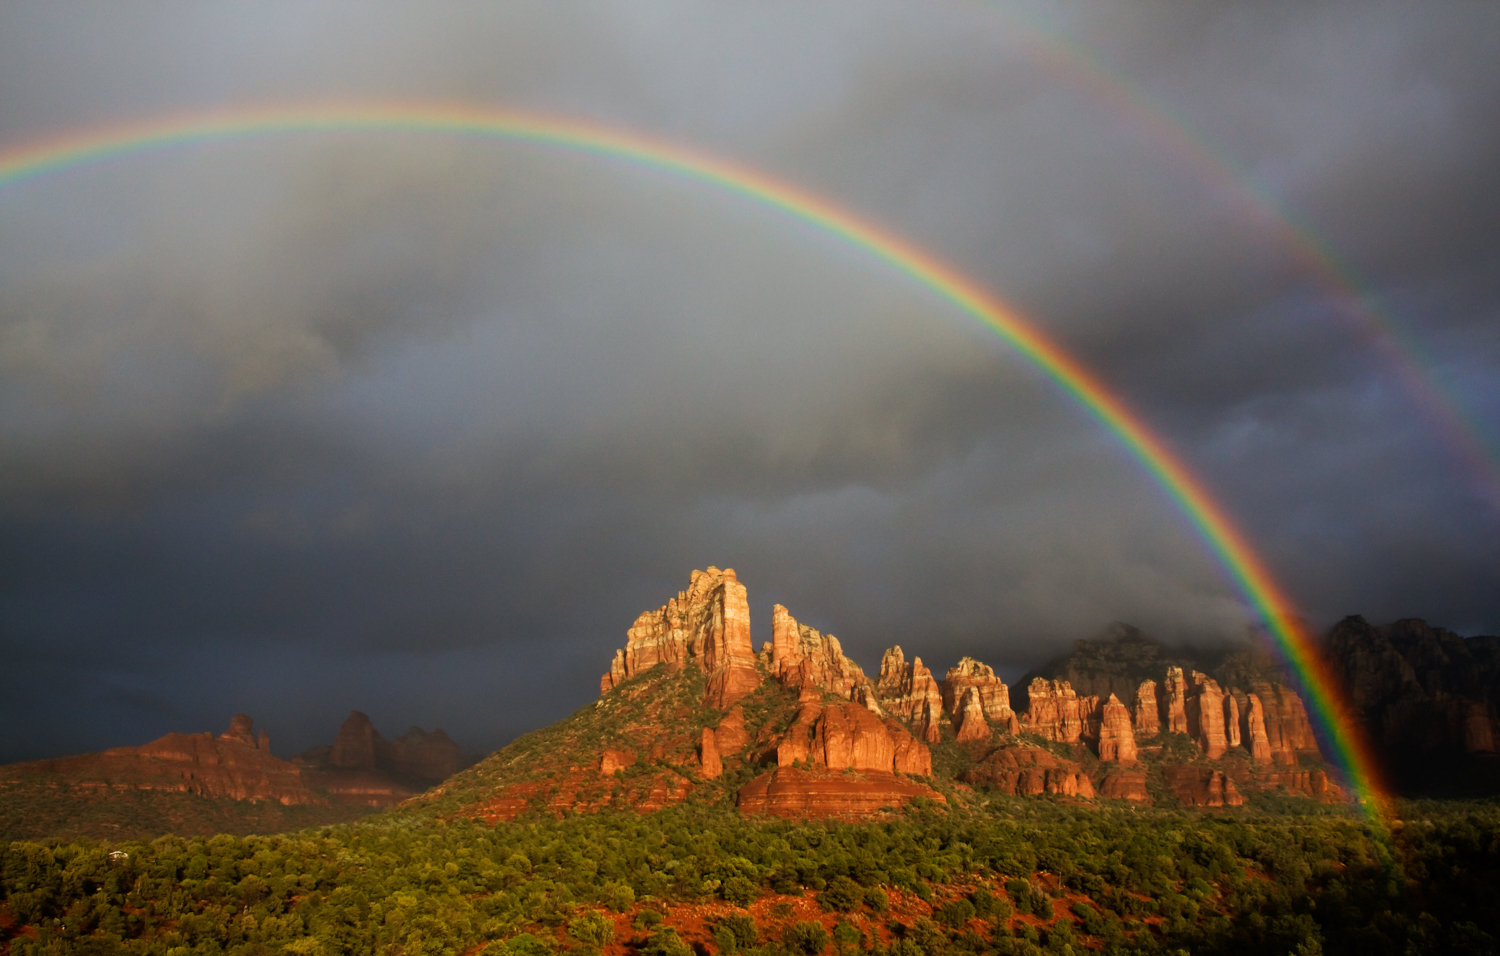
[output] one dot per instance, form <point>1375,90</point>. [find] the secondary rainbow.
<point>1351,294</point>
<point>1209,519</point>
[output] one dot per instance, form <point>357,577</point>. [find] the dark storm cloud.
<point>418,425</point>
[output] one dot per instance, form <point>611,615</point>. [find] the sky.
<point>418,424</point>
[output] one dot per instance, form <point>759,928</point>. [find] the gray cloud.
<point>391,422</point>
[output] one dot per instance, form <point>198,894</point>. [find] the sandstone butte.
<point>798,729</point>
<point>236,764</point>
<point>362,767</point>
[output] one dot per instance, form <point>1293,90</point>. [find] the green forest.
<point>1006,876</point>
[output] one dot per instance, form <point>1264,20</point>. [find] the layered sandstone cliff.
<point>993,696</point>
<point>801,658</point>
<point>707,626</point>
<point>909,691</point>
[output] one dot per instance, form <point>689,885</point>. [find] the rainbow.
<point>1207,517</point>
<point>1349,291</point>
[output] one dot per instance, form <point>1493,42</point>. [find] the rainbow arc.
<point>1209,519</point>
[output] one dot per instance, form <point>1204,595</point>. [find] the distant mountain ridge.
<point>192,783</point>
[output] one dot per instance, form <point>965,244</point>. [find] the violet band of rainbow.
<point>1208,518</point>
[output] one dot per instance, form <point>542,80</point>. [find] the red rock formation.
<point>799,793</point>
<point>730,737</point>
<point>1053,711</point>
<point>1198,786</point>
<point>612,760</point>
<point>1232,719</point>
<point>1147,716</point>
<point>1122,784</point>
<point>356,745</point>
<point>1174,703</point>
<point>231,765</point>
<point>708,755</point>
<point>1116,739</point>
<point>1288,730</point>
<point>970,719</point>
<point>1306,783</point>
<point>909,691</point>
<point>1260,744</point>
<point>364,768</point>
<point>1205,714</point>
<point>912,755</point>
<point>420,755</point>
<point>1023,770</point>
<point>994,696</point>
<point>801,657</point>
<point>849,737</point>
<point>707,626</point>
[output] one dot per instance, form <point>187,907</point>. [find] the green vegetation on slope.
<point>1016,876</point>
<point>33,810</point>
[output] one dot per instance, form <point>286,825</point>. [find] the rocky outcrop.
<point>1116,737</point>
<point>1054,711</point>
<point>707,626</point>
<point>1125,784</point>
<point>231,765</point>
<point>423,756</point>
<point>800,793</point>
<point>708,755</point>
<point>1232,719</point>
<point>1288,731</point>
<point>910,692</point>
<point>1260,744</point>
<point>355,746</point>
<point>1147,714</point>
<point>1419,691</point>
<point>971,725</point>
<point>993,695</point>
<point>1173,702</point>
<point>803,658</point>
<point>1199,786</point>
<point>1025,771</point>
<point>849,737</point>
<point>362,767</point>
<point>1205,715</point>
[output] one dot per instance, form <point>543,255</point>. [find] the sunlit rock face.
<point>803,658</point>
<point>1116,736</point>
<point>1054,711</point>
<point>707,626</point>
<point>1025,771</point>
<point>909,691</point>
<point>993,696</point>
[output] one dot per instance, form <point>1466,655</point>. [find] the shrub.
<point>522,945</point>
<point>805,937</point>
<point>954,914</point>
<point>646,919</point>
<point>841,896</point>
<point>739,891</point>
<point>846,935</point>
<point>741,929</point>
<point>665,942</point>
<point>877,900</point>
<point>592,929</point>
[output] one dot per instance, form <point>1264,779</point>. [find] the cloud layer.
<point>417,425</point>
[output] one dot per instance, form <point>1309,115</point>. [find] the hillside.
<point>690,712</point>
